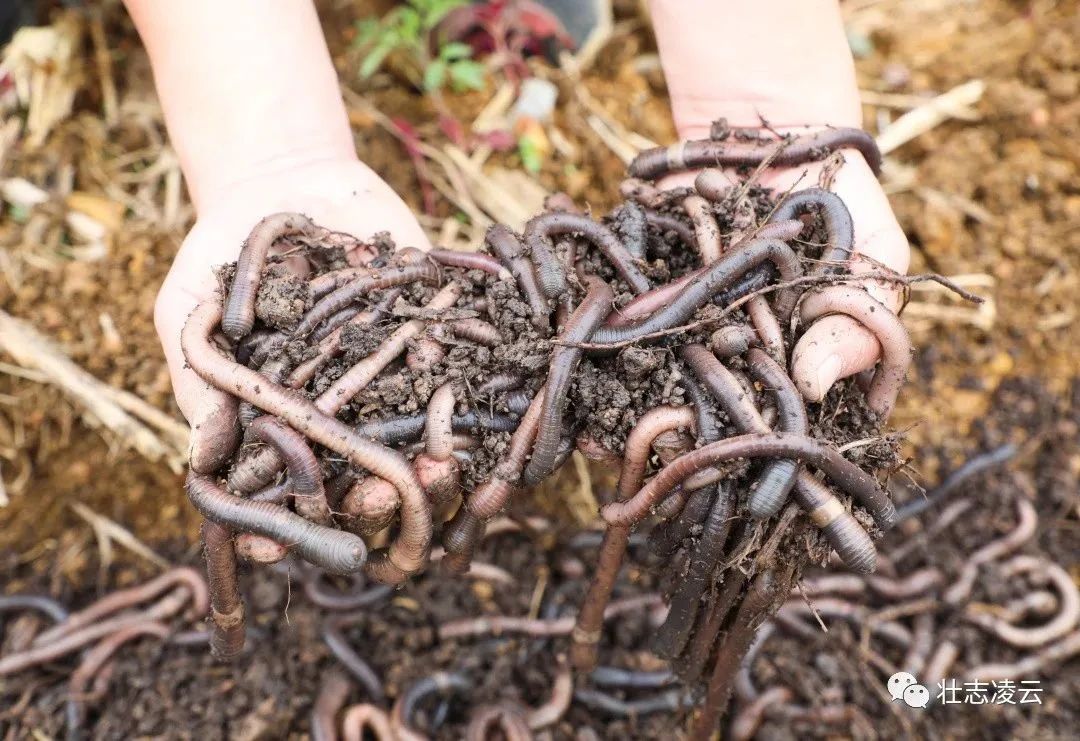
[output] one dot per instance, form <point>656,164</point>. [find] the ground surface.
<point>995,197</point>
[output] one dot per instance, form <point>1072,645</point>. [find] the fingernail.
<point>827,373</point>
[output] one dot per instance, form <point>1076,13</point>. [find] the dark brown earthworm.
<point>504,721</point>
<point>772,491</point>
<point>635,189</point>
<point>123,599</point>
<point>370,505</point>
<point>305,474</point>
<point>745,723</point>
<point>45,605</point>
<point>720,275</point>
<point>333,692</point>
<point>335,321</point>
<point>613,676</point>
<point>540,229</point>
<point>442,683</point>
<point>564,361</point>
<point>343,651</point>
<point>499,383</point>
<point>793,610</point>
<point>438,431</point>
<point>476,330</point>
<point>238,316</point>
<point>359,596</point>
<point>539,627</point>
<point>667,223</point>
<point>666,537</point>
<point>630,221</point>
<point>471,261</point>
<point>397,430</point>
<point>787,152</point>
<point>876,317</point>
<point>505,244</point>
<point>853,479</point>
<point>1027,521</point>
<point>422,272</point>
<point>92,662</point>
<point>334,550</point>
<point>706,232</point>
<point>839,228</point>
<point>226,605</point>
<point>363,718</point>
<point>668,701</point>
<point>1024,637</point>
<point>847,537</point>
<point>587,630</point>
<point>1030,665</point>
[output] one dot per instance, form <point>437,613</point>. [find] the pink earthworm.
<point>922,643</point>
<point>504,721</point>
<point>636,189</point>
<point>440,682</point>
<point>706,231</point>
<point>323,284</point>
<point>476,330</point>
<point>555,708</point>
<point>647,303</point>
<point>1066,619</point>
<point>848,585</point>
<point>1027,520</point>
<point>787,152</point>
<point>424,353</point>
<point>539,627</point>
<point>847,537</point>
<point>564,361</point>
<point>370,505</point>
<point>713,185</point>
<point>632,225</point>
<point>876,317</point>
<point>939,663</point>
<point>333,692</point>
<point>506,245</point>
<point>1032,664</point>
<point>913,585</point>
<point>259,469</point>
<point>338,299</point>
<point>259,549</point>
<point>839,226</point>
<point>498,383</point>
<point>1041,603</point>
<point>745,723</point>
<point>238,316</point>
<point>790,616</point>
<point>540,229</point>
<point>366,718</point>
<point>471,261</point>
<point>217,436</point>
<point>438,431</point>
<point>305,474</point>
<point>226,604</point>
<point>857,482</point>
<point>733,340</point>
<point>768,328</point>
<point>587,633</point>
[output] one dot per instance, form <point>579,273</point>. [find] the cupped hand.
<point>339,194</point>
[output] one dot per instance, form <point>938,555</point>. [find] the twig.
<point>924,118</point>
<point>107,531</point>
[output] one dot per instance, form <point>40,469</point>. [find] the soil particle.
<point>282,299</point>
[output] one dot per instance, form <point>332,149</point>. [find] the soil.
<point>994,196</point>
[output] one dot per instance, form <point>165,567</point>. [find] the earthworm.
<point>226,604</point>
<point>637,190</point>
<point>915,584</point>
<point>666,538</point>
<point>876,317</point>
<point>473,330</point>
<point>848,585</point>
<point>408,552</point>
<point>343,651</point>
<point>440,478</point>
<point>540,229</point>
<point>772,490</point>
<point>631,224</point>
<point>647,303</point>
<point>790,614</point>
<point>335,321</point>
<point>273,371</point>
<point>847,537</point>
<point>853,479</point>
<point>706,232</point>
<point>406,705</point>
<point>721,274</point>
<point>166,607</point>
<point>438,430</point>
<point>972,468</point>
<point>745,723</point>
<point>480,570</point>
<point>713,184</point>
<point>1036,663</point>
<point>333,692</point>
<point>671,637</point>
<point>564,361</point>
<point>768,328</point>
<point>555,708</point>
<point>1027,520</point>
<point>238,316</point>
<point>668,701</point>
<point>323,284</point>
<point>668,223</point>
<point>366,718</point>
<point>358,597</point>
<point>948,516</point>
<point>275,493</point>
<point>501,721</point>
<point>777,229</point>
<point>613,676</point>
<point>334,550</point>
<point>121,600</point>
<point>339,298</point>
<point>92,662</point>
<point>786,152</point>
<point>471,261</point>
<point>587,629</point>
<point>498,383</point>
<point>839,228</point>
<point>305,474</point>
<point>922,642</point>
<point>733,340</point>
<point>744,678</point>
<point>505,244</point>
<point>1065,621</point>
<point>370,505</point>
<point>705,419</point>
<point>396,430</point>
<point>1040,603</point>
<point>46,605</point>
<point>539,627</point>
<point>939,663</point>
<point>259,549</point>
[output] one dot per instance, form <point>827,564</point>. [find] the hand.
<point>339,194</point>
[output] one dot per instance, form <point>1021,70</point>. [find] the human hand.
<point>339,194</point>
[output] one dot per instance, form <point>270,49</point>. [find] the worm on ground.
<point>441,683</point>
<point>555,708</point>
<point>1027,521</point>
<point>1024,637</point>
<point>1040,603</point>
<point>939,663</point>
<point>333,692</point>
<point>883,323</point>
<point>305,474</point>
<point>540,229</point>
<point>613,676</point>
<point>914,584</point>
<point>922,643</point>
<point>503,720</point>
<point>476,330</point>
<point>668,701</point>
<point>745,723</point>
<point>45,605</point>
<point>238,316</point>
<point>706,231</point>
<point>839,228</point>
<point>471,261</point>
<point>1036,663</point>
<point>587,629</point>
<point>359,596</point>
<point>791,614</point>
<point>438,430</point>
<point>363,718</point>
<point>226,604</point>
<point>972,468</point>
<point>786,152</point>
<point>564,361</point>
<point>343,651</point>
<point>539,627</point>
<point>505,244</point>
<point>720,275</point>
<point>847,585</point>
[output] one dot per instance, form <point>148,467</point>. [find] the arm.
<point>253,109</point>
<point>786,61</point>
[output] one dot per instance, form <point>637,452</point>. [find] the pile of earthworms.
<point>917,620</point>
<point>170,607</point>
<point>306,454</point>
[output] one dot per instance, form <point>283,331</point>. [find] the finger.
<point>834,347</point>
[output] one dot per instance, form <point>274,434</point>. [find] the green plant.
<point>408,29</point>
